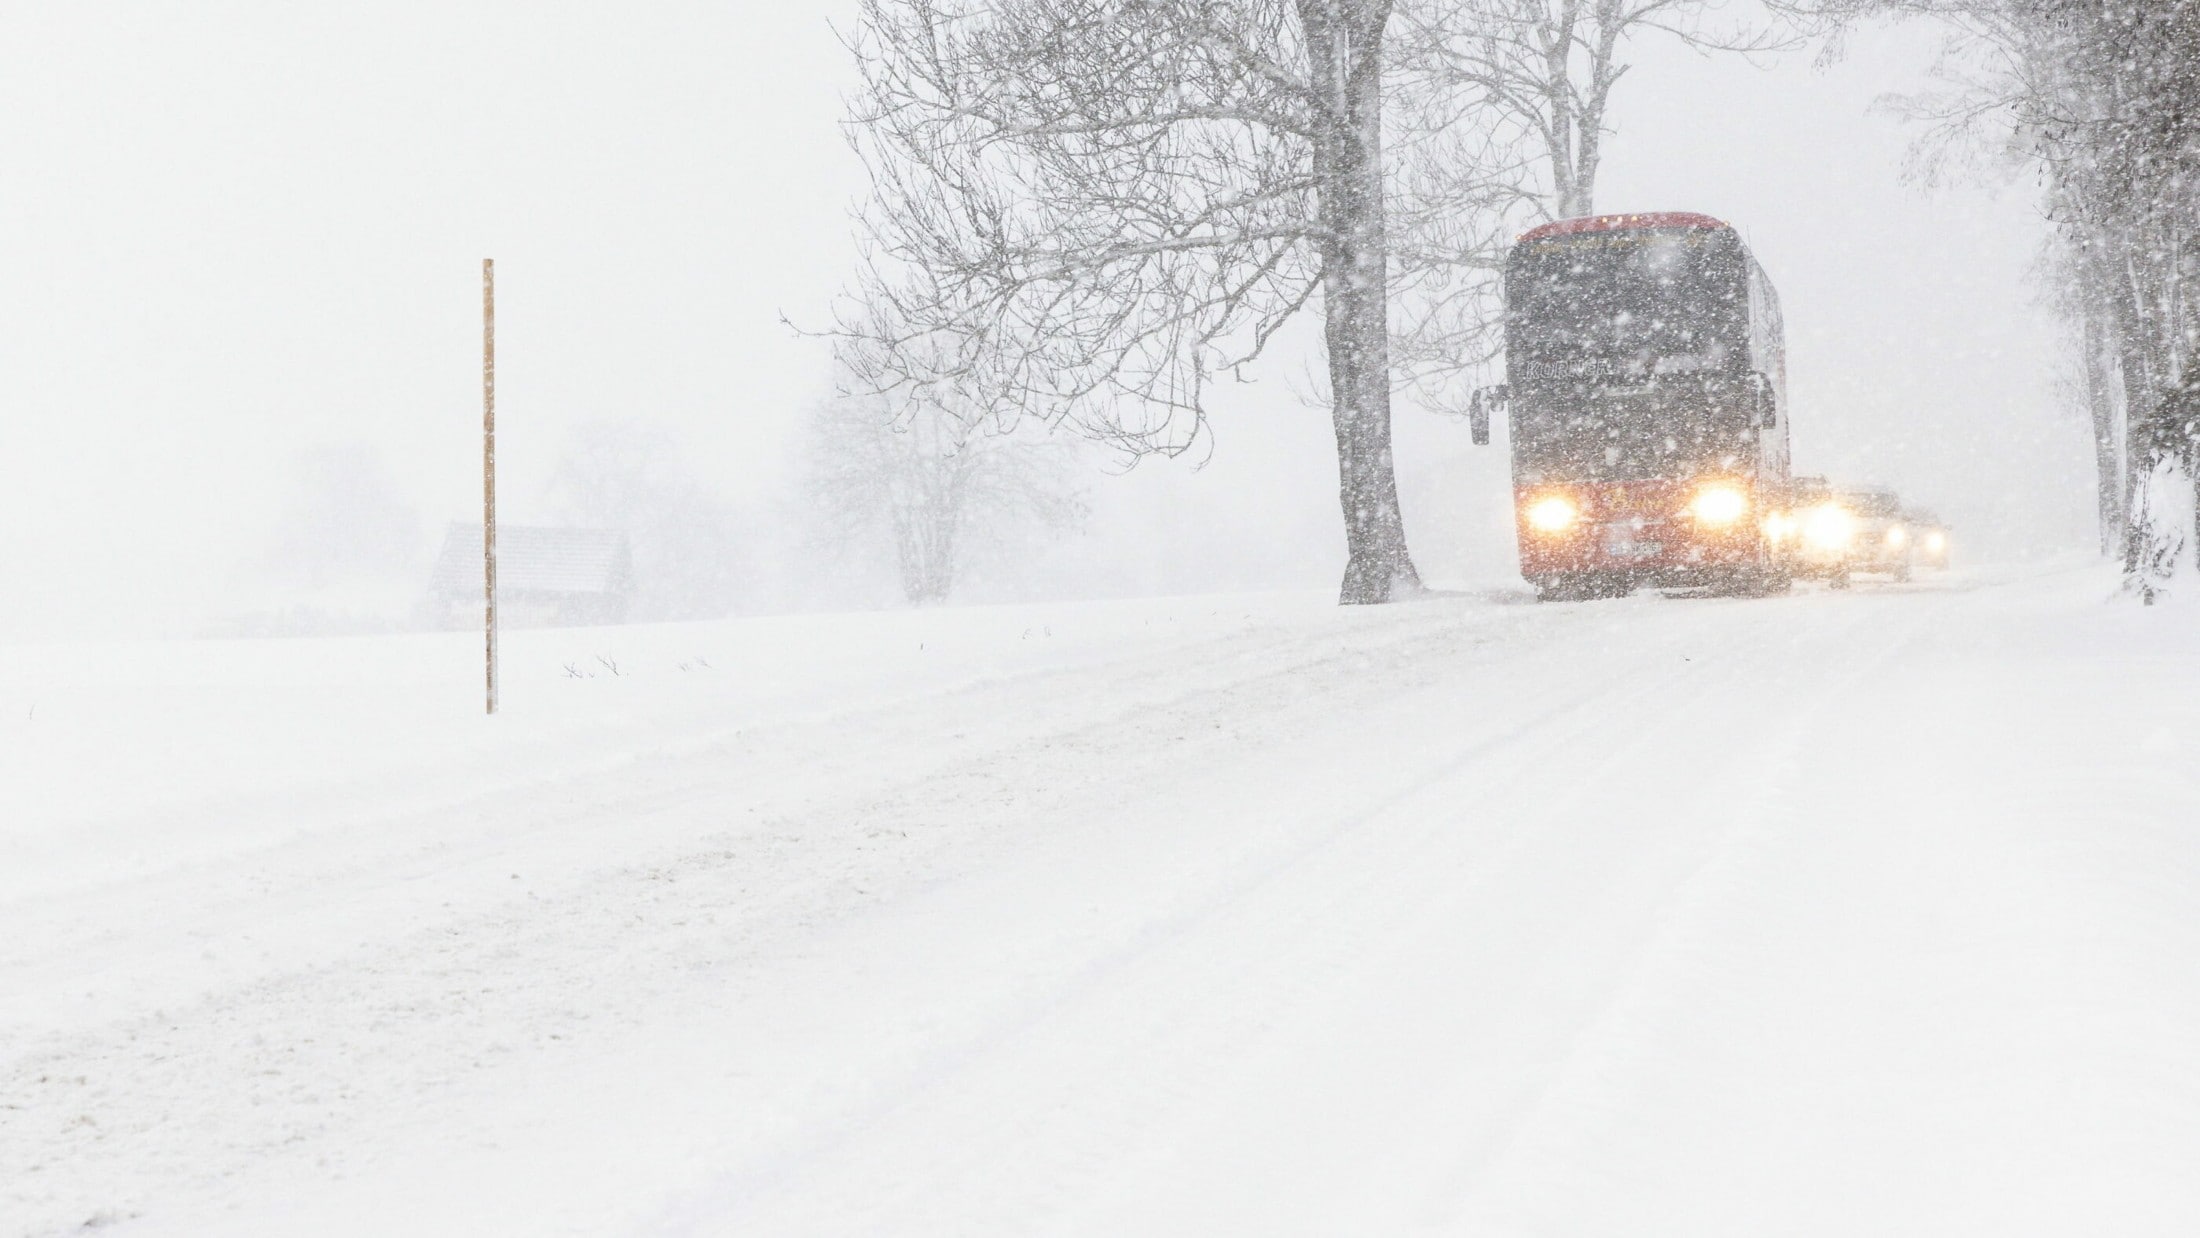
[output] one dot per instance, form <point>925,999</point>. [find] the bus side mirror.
<point>1478,412</point>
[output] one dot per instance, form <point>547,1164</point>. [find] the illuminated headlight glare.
<point>1829,528</point>
<point>1778,526</point>
<point>1935,542</point>
<point>1719,505</point>
<point>1553,513</point>
<point>1897,535</point>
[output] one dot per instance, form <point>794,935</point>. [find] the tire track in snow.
<point>117,1114</point>
<point>1226,1012</point>
<point>1600,1058</point>
<point>1315,909</point>
<point>418,852</point>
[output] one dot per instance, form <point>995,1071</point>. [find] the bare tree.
<point>1087,210</point>
<point>931,490</point>
<point>1551,66</point>
<point>1539,78</point>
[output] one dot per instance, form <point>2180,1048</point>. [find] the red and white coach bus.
<point>1646,392</point>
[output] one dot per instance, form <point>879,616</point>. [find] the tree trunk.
<point>1558,43</point>
<point>1609,22</point>
<point>2108,459</point>
<point>1356,304</point>
<point>1377,567</point>
<point>2139,458</point>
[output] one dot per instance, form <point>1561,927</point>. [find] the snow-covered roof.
<point>536,559</point>
<point>1624,223</point>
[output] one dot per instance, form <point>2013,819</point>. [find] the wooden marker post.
<point>489,467</point>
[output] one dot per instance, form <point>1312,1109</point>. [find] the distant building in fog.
<point>546,576</point>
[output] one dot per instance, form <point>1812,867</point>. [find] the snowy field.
<point>1873,912</point>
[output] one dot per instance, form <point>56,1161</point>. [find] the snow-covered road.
<point>1874,912</point>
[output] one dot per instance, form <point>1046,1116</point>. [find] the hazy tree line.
<point>1089,214</point>
<point>2102,97</point>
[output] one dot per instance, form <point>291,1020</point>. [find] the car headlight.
<point>1718,504</point>
<point>1553,513</point>
<point>1897,535</point>
<point>1830,528</point>
<point>1778,526</point>
<point>1935,542</point>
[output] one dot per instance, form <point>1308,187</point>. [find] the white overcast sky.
<point>231,234</point>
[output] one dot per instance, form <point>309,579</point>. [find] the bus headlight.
<point>1719,505</point>
<point>1553,513</point>
<point>1829,528</point>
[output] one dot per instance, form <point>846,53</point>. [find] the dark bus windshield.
<point>1642,300</point>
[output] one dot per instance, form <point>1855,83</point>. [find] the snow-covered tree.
<point>1539,77</point>
<point>2103,98</point>
<point>930,492</point>
<point>1550,66</point>
<point>1086,210</point>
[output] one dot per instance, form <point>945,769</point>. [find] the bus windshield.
<point>1641,300</point>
